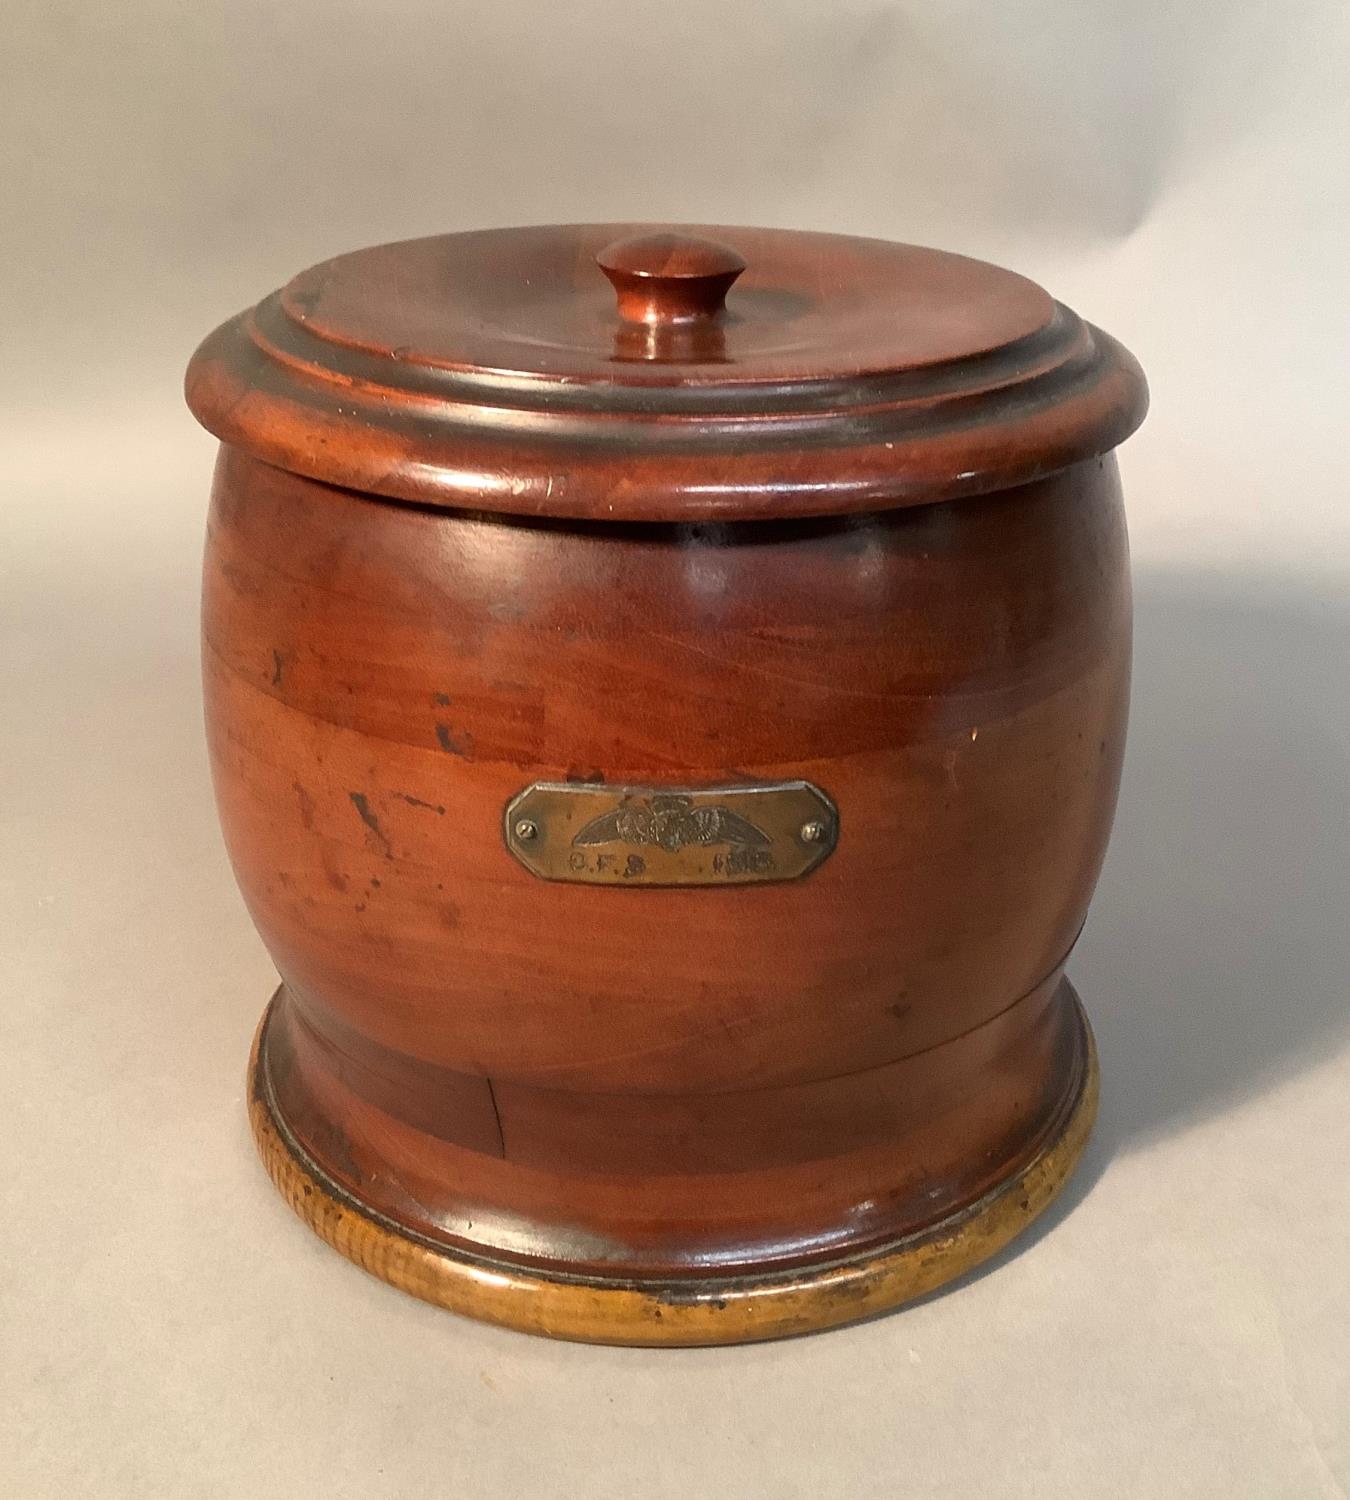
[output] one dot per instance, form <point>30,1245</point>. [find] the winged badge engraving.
<point>599,834</point>
<point>671,823</point>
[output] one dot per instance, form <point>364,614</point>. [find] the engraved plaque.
<point>645,835</point>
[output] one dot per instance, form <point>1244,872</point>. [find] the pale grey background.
<point>1179,172</point>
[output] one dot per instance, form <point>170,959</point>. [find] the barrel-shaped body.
<point>647,1082</point>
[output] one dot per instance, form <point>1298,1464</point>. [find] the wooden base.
<point>712,1311</point>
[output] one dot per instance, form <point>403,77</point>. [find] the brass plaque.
<point>646,835</point>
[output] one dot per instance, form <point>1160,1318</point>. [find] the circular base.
<point>726,1311</point>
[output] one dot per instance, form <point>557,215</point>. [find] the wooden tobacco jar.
<point>666,690</point>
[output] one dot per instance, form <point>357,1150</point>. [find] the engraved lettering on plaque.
<point>670,822</point>
<point>658,836</point>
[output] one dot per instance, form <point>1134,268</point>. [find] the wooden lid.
<point>630,372</point>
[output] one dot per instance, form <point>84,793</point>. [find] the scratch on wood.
<point>362,806</point>
<point>306,805</point>
<point>447,741</point>
<point>497,1115</point>
<point>418,802</point>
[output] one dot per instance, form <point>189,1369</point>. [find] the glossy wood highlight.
<point>466,615</point>
<point>776,1305</point>
<point>653,1080</point>
<point>492,371</point>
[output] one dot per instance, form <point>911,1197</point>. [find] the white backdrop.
<point>1178,173</point>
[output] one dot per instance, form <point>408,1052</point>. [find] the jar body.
<point>667,1084</point>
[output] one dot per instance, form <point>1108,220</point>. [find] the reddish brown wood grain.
<point>670,278</point>
<point>644,507</point>
<point>491,371</point>
<point>382,679</point>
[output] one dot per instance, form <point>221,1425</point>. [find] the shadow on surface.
<point>1214,964</point>
<point>1215,961</point>
<point>1216,958</point>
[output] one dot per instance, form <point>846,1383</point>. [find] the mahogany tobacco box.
<point>666,690</point>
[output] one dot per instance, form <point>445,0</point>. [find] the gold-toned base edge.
<point>734,1311</point>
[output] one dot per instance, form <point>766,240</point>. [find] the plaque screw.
<point>526,830</point>
<point>812,833</point>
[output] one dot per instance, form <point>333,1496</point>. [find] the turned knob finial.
<point>667,278</point>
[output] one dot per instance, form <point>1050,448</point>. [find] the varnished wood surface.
<point>716,1310</point>
<point>648,1083</point>
<point>669,278</point>
<point>697,511</point>
<point>494,370</point>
